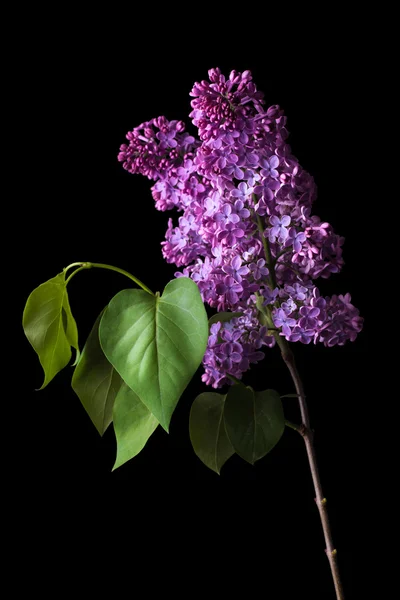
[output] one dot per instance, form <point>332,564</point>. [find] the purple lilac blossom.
<point>240,171</point>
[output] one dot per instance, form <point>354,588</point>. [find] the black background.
<point>253,527</point>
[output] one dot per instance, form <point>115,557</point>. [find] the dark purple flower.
<point>218,254</point>
<point>214,334</point>
<point>265,192</point>
<point>289,306</point>
<point>300,335</point>
<point>193,186</point>
<point>184,172</point>
<point>279,228</point>
<point>295,239</point>
<point>268,167</point>
<point>296,291</point>
<point>233,171</point>
<point>242,192</point>
<point>230,289</point>
<point>346,301</point>
<point>231,234</point>
<point>250,253</point>
<point>252,177</point>
<point>226,216</point>
<point>235,269</point>
<point>269,295</point>
<point>242,212</point>
<point>258,269</point>
<point>178,238</point>
<point>167,193</point>
<point>281,319</point>
<point>167,138</point>
<point>208,291</point>
<point>212,376</point>
<point>247,158</point>
<point>231,332</point>
<point>229,353</point>
<point>212,204</point>
<point>308,317</point>
<point>188,223</point>
<point>259,337</point>
<point>320,303</point>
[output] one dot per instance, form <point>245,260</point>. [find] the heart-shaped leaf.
<point>95,381</point>
<point>224,317</point>
<point>133,424</point>
<point>156,344</point>
<point>43,321</point>
<point>254,421</point>
<point>207,430</point>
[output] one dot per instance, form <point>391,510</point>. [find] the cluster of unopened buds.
<point>246,234</point>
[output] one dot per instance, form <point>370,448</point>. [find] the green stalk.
<point>89,265</point>
<point>293,426</point>
<point>234,379</point>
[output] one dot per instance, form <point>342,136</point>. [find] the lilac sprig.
<point>246,230</point>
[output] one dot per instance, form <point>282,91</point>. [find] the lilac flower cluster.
<point>246,234</point>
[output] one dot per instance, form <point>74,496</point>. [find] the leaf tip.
<point>165,425</point>
<point>44,384</point>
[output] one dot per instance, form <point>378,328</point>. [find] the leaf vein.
<point>181,308</point>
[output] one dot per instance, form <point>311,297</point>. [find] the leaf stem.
<point>89,265</point>
<point>308,436</point>
<point>129,275</point>
<point>81,268</point>
<point>75,264</point>
<point>293,426</point>
<point>233,378</point>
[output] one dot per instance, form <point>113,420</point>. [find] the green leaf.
<point>223,317</point>
<point>254,421</point>
<point>207,430</point>
<point>43,326</point>
<point>133,425</point>
<point>95,381</point>
<point>156,344</point>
